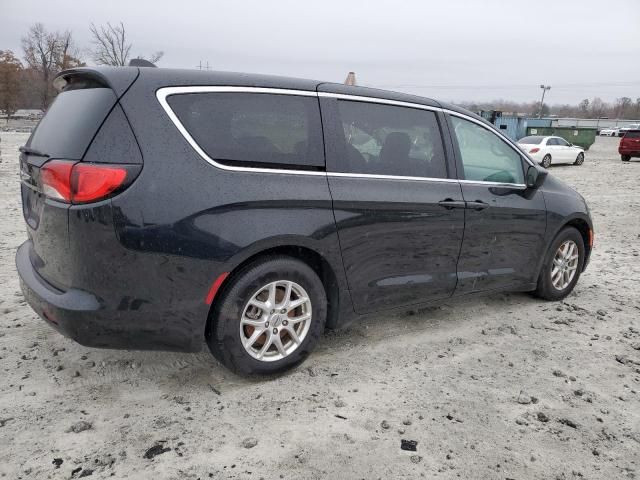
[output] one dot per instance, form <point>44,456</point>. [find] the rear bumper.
<point>630,152</point>
<point>85,318</point>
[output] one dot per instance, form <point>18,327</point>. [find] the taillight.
<point>93,182</point>
<point>56,180</point>
<point>534,150</point>
<point>76,182</point>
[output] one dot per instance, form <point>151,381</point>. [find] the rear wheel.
<point>562,265</point>
<point>546,161</point>
<point>625,158</point>
<point>579,159</point>
<point>269,318</point>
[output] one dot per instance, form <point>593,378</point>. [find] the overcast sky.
<point>450,50</point>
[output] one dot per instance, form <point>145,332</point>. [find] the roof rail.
<point>140,62</point>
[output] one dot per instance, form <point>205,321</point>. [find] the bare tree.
<point>10,70</point>
<point>111,46</point>
<point>41,53</point>
<point>584,107</point>
<point>68,54</point>
<point>47,53</point>
<point>154,57</point>
<point>598,107</point>
<point>622,105</point>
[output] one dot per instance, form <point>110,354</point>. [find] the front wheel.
<point>269,318</point>
<point>625,158</point>
<point>579,159</point>
<point>546,161</point>
<point>562,265</point>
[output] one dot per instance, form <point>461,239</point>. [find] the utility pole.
<point>544,90</point>
<point>203,67</point>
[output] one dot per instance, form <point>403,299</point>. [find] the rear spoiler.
<point>119,79</point>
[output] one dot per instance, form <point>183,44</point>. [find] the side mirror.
<point>535,176</point>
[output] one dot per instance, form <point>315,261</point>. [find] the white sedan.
<point>609,132</point>
<point>546,150</point>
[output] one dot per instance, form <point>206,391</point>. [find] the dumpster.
<point>581,136</point>
<point>543,131</point>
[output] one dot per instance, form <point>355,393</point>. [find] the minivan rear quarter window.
<point>254,129</point>
<point>391,140</point>
<point>81,112</point>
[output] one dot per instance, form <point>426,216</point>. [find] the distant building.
<point>351,79</point>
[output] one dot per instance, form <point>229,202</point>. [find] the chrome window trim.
<point>518,186</point>
<point>391,177</point>
<point>424,107</point>
<point>360,98</point>
<point>164,92</point>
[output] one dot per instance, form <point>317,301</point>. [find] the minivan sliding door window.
<point>391,140</point>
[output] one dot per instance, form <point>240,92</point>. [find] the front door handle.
<point>477,205</point>
<point>449,203</point>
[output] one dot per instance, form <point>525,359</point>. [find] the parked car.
<point>167,207</point>
<point>625,129</point>
<point>629,145</point>
<point>548,150</point>
<point>608,132</point>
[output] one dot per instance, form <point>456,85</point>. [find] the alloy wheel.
<point>275,321</point>
<point>565,264</point>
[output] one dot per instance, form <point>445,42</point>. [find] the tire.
<point>546,161</point>
<point>224,333</point>
<point>546,288</point>
<point>625,158</point>
<point>579,159</point>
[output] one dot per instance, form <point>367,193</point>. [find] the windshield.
<point>535,140</point>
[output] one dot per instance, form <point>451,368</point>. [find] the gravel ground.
<point>504,387</point>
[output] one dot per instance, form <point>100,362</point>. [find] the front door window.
<point>485,156</point>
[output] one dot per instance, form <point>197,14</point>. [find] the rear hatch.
<point>631,141</point>
<point>63,136</point>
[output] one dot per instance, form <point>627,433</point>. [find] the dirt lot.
<point>499,387</point>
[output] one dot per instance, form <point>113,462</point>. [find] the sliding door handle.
<point>449,203</point>
<point>477,205</point>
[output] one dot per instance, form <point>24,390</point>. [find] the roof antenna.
<point>140,62</point>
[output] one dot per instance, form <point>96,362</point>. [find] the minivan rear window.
<point>632,134</point>
<point>254,129</point>
<point>72,120</point>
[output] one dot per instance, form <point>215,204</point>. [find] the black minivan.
<point>167,207</point>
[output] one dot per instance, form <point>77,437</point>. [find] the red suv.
<point>629,145</point>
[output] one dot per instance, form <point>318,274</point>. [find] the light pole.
<point>544,90</point>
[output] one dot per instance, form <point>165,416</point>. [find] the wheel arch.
<point>580,223</point>
<point>586,232</point>
<point>327,270</point>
